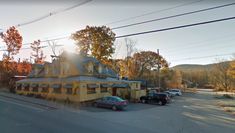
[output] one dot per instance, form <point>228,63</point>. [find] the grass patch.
<point>190,90</point>
<point>227,105</point>
<point>224,96</point>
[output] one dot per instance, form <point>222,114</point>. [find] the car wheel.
<point>114,108</point>
<point>95,105</point>
<point>160,102</point>
<point>143,101</point>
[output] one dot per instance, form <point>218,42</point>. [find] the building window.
<point>90,67</point>
<point>19,87</point>
<point>69,91</point>
<point>26,87</point>
<point>91,90</point>
<point>45,88</point>
<point>56,88</point>
<point>35,87</point>
<point>69,88</point>
<point>103,89</point>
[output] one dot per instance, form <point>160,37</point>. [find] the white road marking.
<point>22,105</point>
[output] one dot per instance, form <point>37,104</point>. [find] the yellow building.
<point>76,78</point>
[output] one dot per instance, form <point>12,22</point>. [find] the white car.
<point>175,92</point>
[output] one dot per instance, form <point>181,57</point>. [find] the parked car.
<point>176,92</point>
<point>113,102</point>
<point>170,93</point>
<point>160,98</point>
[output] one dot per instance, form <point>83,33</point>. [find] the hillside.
<point>192,67</point>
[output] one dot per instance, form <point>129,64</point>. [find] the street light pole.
<point>158,68</point>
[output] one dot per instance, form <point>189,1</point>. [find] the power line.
<point>153,12</point>
<point>173,16</point>
<point>200,48</point>
<point>52,13</point>
<point>201,57</point>
<point>79,4</point>
<point>153,31</point>
<point>129,24</point>
<point>177,27</point>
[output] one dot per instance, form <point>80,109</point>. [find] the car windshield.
<point>117,99</point>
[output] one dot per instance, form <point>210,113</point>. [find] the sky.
<point>202,44</point>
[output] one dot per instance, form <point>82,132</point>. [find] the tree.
<point>141,65</point>
<point>97,41</point>
<point>13,41</point>
<point>220,76</point>
<point>38,53</point>
<point>148,60</point>
<point>130,47</point>
<point>232,69</point>
<point>24,67</point>
<point>175,79</point>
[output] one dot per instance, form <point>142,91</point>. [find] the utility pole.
<point>158,68</point>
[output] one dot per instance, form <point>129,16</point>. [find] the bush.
<point>228,96</point>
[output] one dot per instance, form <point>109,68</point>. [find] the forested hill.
<point>192,67</point>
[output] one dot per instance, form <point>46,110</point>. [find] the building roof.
<point>72,79</point>
<point>80,62</point>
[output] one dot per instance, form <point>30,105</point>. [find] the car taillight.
<point>122,103</point>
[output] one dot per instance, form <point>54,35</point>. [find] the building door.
<point>114,93</point>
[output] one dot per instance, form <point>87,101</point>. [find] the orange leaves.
<point>24,68</point>
<point>13,41</point>
<point>37,52</point>
<point>97,41</point>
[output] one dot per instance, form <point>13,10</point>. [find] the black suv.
<point>161,98</point>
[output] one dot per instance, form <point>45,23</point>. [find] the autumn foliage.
<point>13,41</point>
<point>96,41</point>
<point>37,53</point>
<point>9,67</point>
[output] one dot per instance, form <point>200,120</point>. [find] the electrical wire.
<point>153,12</point>
<point>157,30</point>
<point>173,16</point>
<point>176,27</point>
<point>202,57</point>
<point>52,13</point>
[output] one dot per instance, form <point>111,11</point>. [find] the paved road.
<point>191,113</point>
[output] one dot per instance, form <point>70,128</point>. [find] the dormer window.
<point>90,67</point>
<point>46,70</point>
<point>100,68</point>
<point>36,71</point>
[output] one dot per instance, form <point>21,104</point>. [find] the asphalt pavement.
<point>190,113</point>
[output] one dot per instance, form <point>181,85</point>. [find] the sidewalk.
<point>29,99</point>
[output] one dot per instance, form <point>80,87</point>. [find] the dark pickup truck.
<point>161,98</point>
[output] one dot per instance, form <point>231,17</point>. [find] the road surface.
<point>191,113</point>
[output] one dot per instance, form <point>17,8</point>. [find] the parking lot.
<point>187,113</point>
<point>190,113</point>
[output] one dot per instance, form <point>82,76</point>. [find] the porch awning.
<point>68,86</point>
<point>18,85</point>
<point>104,85</point>
<point>56,86</point>
<point>44,85</point>
<point>92,86</point>
<point>120,85</point>
<point>34,85</point>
